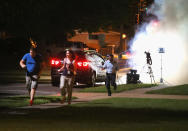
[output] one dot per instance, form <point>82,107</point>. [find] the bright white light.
<point>153,38</point>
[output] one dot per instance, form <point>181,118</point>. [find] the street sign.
<point>161,50</point>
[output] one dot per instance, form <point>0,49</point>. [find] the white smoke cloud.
<point>170,33</point>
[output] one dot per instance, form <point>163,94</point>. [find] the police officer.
<point>111,67</point>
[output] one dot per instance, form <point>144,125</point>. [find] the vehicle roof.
<point>79,53</point>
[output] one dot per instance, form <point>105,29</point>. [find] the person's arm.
<point>22,64</point>
<point>23,61</point>
<point>75,67</point>
<point>104,66</point>
<point>62,66</point>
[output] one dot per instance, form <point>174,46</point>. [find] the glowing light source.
<point>82,64</point>
<point>55,62</point>
<point>124,36</point>
<point>169,32</point>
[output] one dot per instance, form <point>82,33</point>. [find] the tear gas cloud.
<point>168,32</point>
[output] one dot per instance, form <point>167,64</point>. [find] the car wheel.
<point>93,80</point>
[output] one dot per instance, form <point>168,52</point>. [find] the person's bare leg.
<point>32,94</point>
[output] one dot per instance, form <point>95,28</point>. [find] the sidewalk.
<point>86,97</point>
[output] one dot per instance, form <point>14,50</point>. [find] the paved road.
<point>47,89</point>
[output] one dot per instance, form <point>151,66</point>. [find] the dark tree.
<point>53,19</point>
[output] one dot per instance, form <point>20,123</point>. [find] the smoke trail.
<point>170,33</point>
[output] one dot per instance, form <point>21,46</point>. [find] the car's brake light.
<point>55,62</point>
<point>82,64</point>
<point>85,64</point>
<point>79,64</point>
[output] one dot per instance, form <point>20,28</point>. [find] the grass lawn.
<point>114,114</point>
<point>120,88</point>
<point>20,101</point>
<point>175,90</point>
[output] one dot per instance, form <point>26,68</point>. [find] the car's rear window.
<point>79,55</point>
<point>76,54</point>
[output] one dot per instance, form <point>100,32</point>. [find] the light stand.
<point>161,51</point>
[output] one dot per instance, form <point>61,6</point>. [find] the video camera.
<point>148,58</point>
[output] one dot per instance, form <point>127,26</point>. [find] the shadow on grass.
<point>109,115</point>
<point>101,115</point>
<point>96,118</point>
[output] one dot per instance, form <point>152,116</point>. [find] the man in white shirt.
<point>111,67</point>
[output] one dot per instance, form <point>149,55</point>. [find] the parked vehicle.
<point>88,64</point>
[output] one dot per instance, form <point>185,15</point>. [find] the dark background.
<point>52,21</point>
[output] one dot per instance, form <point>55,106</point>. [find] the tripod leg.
<point>151,74</point>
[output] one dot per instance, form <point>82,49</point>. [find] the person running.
<point>67,72</point>
<point>32,62</point>
<point>111,67</point>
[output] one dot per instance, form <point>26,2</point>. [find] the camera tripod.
<point>150,72</point>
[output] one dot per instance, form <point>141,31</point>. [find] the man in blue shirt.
<point>32,62</point>
<point>111,67</point>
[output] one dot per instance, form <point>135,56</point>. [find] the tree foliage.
<point>55,18</point>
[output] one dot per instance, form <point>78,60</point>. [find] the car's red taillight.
<point>55,62</point>
<point>82,64</point>
<point>79,64</point>
<point>85,64</point>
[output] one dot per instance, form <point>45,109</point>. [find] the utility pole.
<point>142,7</point>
